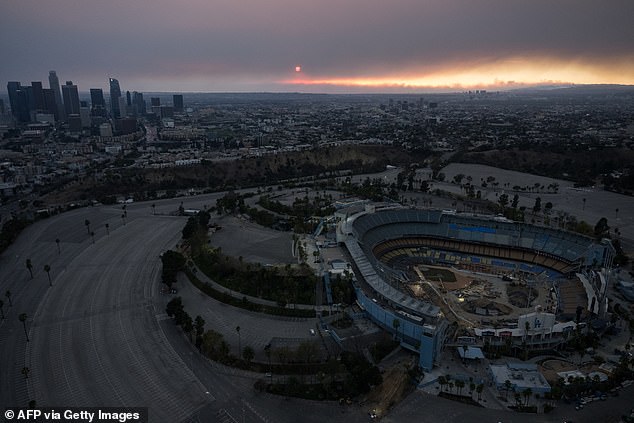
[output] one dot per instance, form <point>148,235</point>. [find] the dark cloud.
<point>253,41</point>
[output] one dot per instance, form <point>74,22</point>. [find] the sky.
<point>318,45</point>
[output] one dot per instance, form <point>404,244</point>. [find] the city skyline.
<point>359,46</point>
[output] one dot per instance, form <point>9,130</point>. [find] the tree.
<point>514,203</point>
<point>442,380</point>
<point>187,324</point>
<point>87,223</point>
<point>518,399</point>
<point>29,266</point>
<point>479,390</point>
<point>507,387</point>
<point>248,354</point>
<point>538,205</point>
<point>267,352</point>
<point>92,235</point>
<point>57,242</point>
<point>47,269</point>
<point>199,324</point>
<point>108,229</point>
<point>173,262</point>
<point>527,395</point>
<point>239,343</point>
<point>8,295</point>
<point>503,201</point>
<point>22,317</point>
<point>459,386</point>
<point>174,307</point>
<point>601,228</point>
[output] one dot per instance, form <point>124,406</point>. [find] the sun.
<point>298,68</point>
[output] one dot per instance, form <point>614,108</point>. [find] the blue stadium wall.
<point>425,339</point>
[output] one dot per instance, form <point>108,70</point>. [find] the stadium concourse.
<point>385,242</point>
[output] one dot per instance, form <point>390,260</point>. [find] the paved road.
<point>97,336</point>
<point>97,332</point>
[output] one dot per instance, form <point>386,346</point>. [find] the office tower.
<point>12,88</point>
<point>139,103</point>
<point>96,98</point>
<point>71,98</point>
<point>2,106</point>
<point>37,97</point>
<point>74,122</point>
<point>50,106</point>
<point>18,100</point>
<point>53,83</point>
<point>178,103</point>
<point>122,107</point>
<point>115,95</point>
<point>155,101</point>
<point>128,98</point>
<point>84,114</point>
<point>97,102</point>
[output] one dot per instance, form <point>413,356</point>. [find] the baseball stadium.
<point>428,276</point>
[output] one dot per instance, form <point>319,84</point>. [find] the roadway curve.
<point>99,336</point>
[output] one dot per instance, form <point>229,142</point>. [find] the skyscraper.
<point>139,103</point>
<point>37,97</point>
<point>96,98</point>
<point>53,83</point>
<point>18,100</point>
<point>71,98</point>
<point>115,95</point>
<point>178,103</point>
<point>50,105</point>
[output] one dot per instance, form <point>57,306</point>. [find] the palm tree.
<point>23,318</point>
<point>527,395</point>
<point>8,295</point>
<point>239,340</point>
<point>29,266</point>
<point>267,351</point>
<point>459,386</point>
<point>57,242</point>
<point>87,223</point>
<point>507,386</point>
<point>47,269</point>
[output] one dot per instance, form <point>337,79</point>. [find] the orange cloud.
<point>507,73</point>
